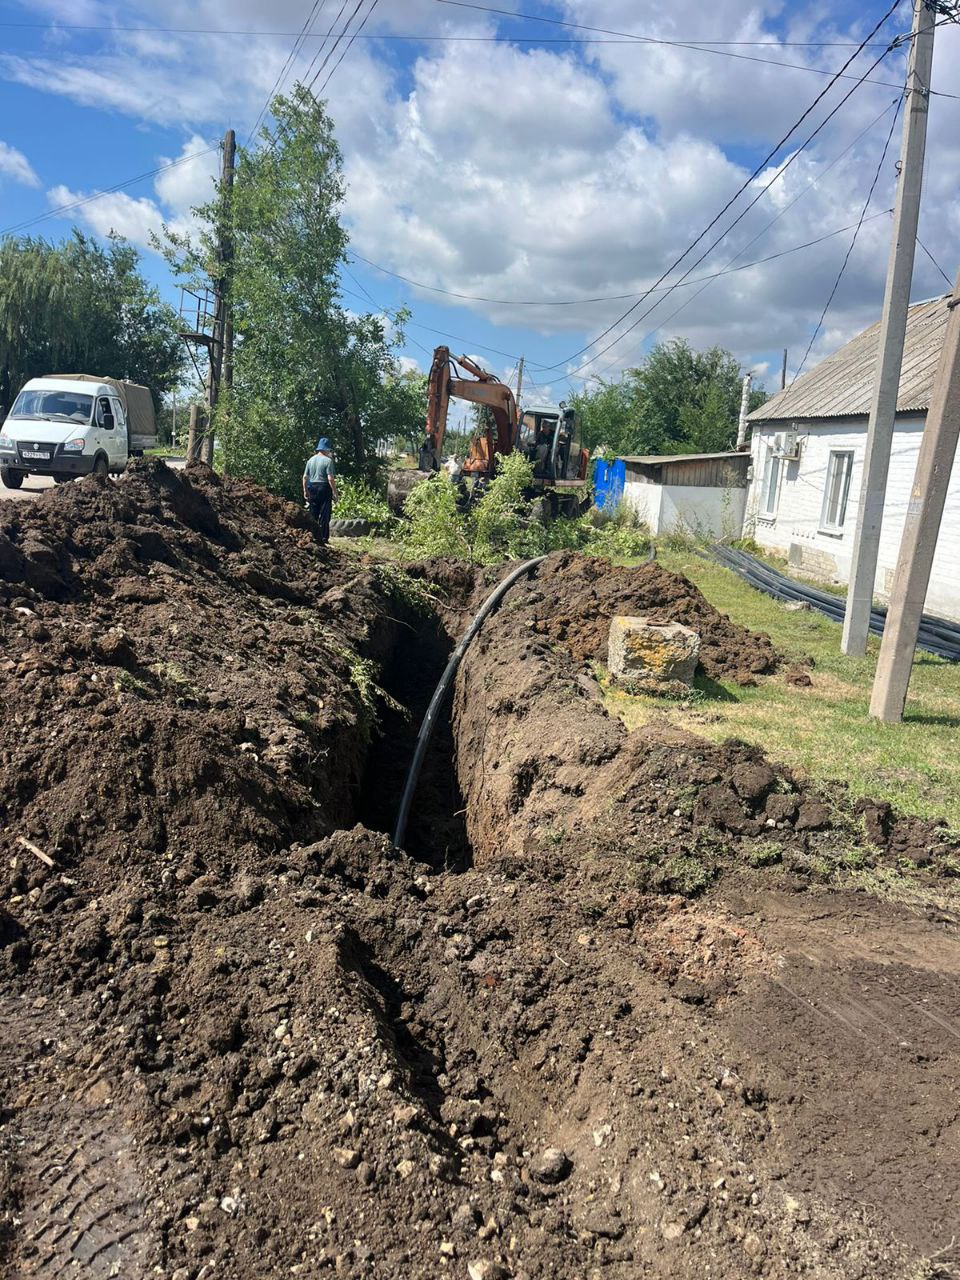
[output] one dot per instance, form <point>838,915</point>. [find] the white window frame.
<point>770,485</point>
<point>836,528</point>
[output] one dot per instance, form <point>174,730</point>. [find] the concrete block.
<point>661,653</point>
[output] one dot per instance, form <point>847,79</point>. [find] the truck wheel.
<point>11,479</point>
<point>352,528</point>
<point>101,467</point>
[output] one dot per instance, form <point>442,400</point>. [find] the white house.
<point>807,448</point>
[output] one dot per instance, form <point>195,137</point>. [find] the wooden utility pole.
<point>519,379</point>
<point>893,327</point>
<point>220,320</point>
<point>744,410</point>
<point>918,544</point>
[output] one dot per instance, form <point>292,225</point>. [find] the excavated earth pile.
<point>610,1020</point>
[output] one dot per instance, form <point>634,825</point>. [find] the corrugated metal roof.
<point>657,459</point>
<point>841,385</point>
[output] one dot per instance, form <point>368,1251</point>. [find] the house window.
<point>839,470</point>
<point>770,492</point>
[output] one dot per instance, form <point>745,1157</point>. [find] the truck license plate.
<point>33,453</point>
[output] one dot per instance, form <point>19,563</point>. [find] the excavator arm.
<point>483,388</point>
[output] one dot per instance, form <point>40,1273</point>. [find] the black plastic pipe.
<point>429,719</point>
<point>936,635</point>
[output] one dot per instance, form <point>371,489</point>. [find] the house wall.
<point>704,510</point>
<point>796,529</point>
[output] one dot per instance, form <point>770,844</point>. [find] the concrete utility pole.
<point>220,321</point>
<point>918,544</point>
<point>783,371</point>
<point>519,379</point>
<point>193,436</point>
<point>893,326</point>
<point>744,409</point>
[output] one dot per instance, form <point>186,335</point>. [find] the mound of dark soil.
<point>645,1034</point>
<point>581,595</point>
<point>179,669</point>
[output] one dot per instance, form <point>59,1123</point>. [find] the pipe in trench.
<point>430,716</point>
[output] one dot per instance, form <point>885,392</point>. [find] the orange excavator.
<point>546,435</point>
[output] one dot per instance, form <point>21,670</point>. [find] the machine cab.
<point>549,437</point>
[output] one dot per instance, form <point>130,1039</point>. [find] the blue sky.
<point>502,163</point>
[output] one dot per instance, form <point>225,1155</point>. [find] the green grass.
<point>825,729</point>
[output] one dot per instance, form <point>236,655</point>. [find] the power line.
<point>729,264</point>
<point>323,42</point>
<point>363,23</point>
<point>442,333</point>
<point>128,182</point>
<point>704,46</point>
<point>318,5</point>
<point>336,41</point>
<point>701,46</point>
<point>620,297</point>
<point>233,31</point>
<point>850,248</point>
<point>779,174</point>
<point>935,262</point>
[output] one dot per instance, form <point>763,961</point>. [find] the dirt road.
<point>624,1008</point>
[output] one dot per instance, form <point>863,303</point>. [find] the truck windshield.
<point>57,406</point>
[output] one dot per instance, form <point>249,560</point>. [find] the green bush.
<point>503,526</point>
<point>434,526</point>
<point>357,500</point>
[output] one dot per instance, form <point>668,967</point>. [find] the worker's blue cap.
<point>323,443</point>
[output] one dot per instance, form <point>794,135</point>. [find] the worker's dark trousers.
<point>320,499</point>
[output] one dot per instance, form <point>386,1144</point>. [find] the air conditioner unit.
<point>787,446</point>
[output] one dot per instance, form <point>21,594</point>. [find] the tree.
<point>304,366</point>
<point>678,401</point>
<point>606,417</point>
<point>80,307</point>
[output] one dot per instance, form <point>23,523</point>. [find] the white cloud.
<point>15,165</point>
<point>132,218</point>
<point>178,189</point>
<point>550,173</point>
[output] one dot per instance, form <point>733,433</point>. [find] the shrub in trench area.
<point>357,500</point>
<point>502,525</point>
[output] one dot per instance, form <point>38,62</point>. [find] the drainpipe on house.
<point>744,407</point>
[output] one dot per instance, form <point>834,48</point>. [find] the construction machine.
<point>545,434</point>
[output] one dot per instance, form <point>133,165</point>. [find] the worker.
<point>320,487</point>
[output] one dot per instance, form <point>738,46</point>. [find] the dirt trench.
<point>583,1027</point>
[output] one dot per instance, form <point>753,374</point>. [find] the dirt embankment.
<point>248,1040</point>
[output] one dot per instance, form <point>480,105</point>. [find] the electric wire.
<point>314,12</point>
<point>336,42</point>
<point>935,263</point>
<point>759,196</point>
<point>622,297</point>
<point>850,248</point>
<point>233,31</point>
<point>97,195</point>
<point>330,73</point>
<point>703,46</point>
<point>759,235</point>
<point>320,46</point>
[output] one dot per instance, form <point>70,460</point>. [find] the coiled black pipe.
<point>429,719</point>
<point>936,635</point>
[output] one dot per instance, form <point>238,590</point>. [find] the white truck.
<point>67,425</point>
